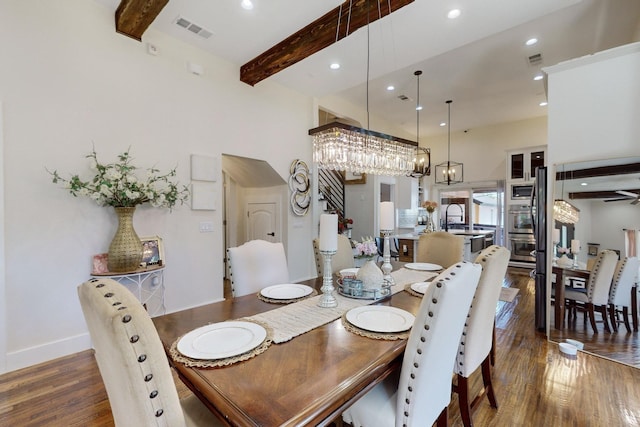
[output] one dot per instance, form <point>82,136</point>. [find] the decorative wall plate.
<point>300,187</point>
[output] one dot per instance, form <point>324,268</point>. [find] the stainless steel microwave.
<point>521,191</point>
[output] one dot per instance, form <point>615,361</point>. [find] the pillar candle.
<point>556,235</point>
<point>386,216</point>
<point>575,246</point>
<point>329,232</point>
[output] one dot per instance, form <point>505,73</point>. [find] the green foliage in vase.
<point>117,184</point>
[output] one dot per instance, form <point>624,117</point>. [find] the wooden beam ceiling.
<point>585,195</point>
<point>319,34</point>
<point>133,17</point>
<point>599,171</point>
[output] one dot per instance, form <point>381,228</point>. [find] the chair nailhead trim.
<point>159,412</point>
<point>99,285</point>
<point>116,303</point>
<point>153,394</point>
<point>126,318</point>
<point>142,358</point>
<point>108,295</point>
<point>134,339</point>
<point>148,378</point>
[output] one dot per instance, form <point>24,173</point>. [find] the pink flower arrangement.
<point>367,248</point>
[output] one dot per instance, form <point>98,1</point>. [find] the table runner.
<point>296,319</point>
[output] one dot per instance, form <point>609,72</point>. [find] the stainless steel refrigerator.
<point>539,221</point>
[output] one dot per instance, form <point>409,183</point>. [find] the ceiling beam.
<point>319,34</point>
<point>599,171</point>
<point>133,17</point>
<point>601,195</point>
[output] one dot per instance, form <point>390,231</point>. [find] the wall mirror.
<point>607,195</point>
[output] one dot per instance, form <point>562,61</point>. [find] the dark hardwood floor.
<point>535,384</point>
<point>621,346</point>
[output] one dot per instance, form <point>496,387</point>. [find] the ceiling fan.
<point>629,195</point>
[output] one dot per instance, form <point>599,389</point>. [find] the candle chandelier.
<point>350,148</point>
<point>449,172</point>
<point>422,161</point>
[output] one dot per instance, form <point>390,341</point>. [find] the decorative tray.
<point>353,288</point>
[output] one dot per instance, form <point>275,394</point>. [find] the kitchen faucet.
<point>446,215</point>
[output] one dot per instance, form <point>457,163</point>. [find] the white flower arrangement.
<point>366,248</point>
<point>116,184</point>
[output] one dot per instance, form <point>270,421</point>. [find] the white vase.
<point>370,275</point>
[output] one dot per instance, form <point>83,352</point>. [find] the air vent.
<point>403,97</point>
<point>194,28</point>
<point>535,60</point>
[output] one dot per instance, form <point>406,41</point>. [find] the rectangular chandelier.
<point>565,212</point>
<point>339,146</point>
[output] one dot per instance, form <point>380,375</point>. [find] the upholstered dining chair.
<point>341,260</point>
<point>474,349</point>
<point>422,392</point>
<point>440,247</point>
<point>597,294</point>
<point>132,361</point>
<point>624,279</point>
<point>255,265</point>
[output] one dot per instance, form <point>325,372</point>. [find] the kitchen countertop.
<point>416,236</point>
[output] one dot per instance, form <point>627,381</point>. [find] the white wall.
<point>594,106</point>
<point>69,81</point>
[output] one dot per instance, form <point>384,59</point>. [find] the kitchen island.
<point>474,242</point>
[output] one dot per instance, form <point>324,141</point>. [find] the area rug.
<point>508,294</point>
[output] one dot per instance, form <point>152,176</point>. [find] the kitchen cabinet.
<point>522,164</point>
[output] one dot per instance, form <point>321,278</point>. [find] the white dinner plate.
<point>423,266</point>
<point>286,291</point>
<point>420,287</point>
<point>220,340</point>
<point>380,318</point>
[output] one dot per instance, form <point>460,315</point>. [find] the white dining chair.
<point>422,392</point>
<point>474,349</point>
<point>440,247</point>
<point>597,295</point>
<point>341,260</point>
<point>624,278</point>
<point>132,361</point>
<point>256,265</point>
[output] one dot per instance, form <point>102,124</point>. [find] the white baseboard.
<point>43,353</point>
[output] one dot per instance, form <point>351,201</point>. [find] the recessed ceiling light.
<point>584,184</point>
<point>543,103</point>
<point>247,4</point>
<point>334,66</point>
<point>531,41</point>
<point>391,87</point>
<point>443,124</point>
<point>538,77</point>
<point>453,13</point>
<point>419,107</point>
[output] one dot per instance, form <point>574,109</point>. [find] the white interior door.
<point>262,222</point>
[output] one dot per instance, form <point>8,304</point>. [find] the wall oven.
<point>522,245</point>
<point>520,220</point>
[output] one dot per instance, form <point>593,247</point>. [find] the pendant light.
<point>349,148</point>
<point>422,162</point>
<point>449,172</point>
<point>564,211</point>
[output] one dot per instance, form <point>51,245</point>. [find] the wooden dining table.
<point>559,309</point>
<point>309,380</point>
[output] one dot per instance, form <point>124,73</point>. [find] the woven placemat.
<point>388,336</point>
<point>286,301</point>
<point>217,363</point>
<point>408,289</point>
